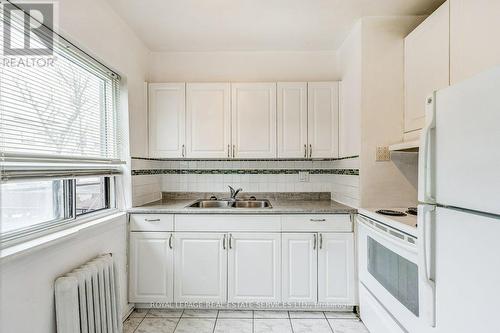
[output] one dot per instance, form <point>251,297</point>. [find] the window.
<point>65,107</point>
<point>91,194</point>
<point>59,137</point>
<point>26,203</point>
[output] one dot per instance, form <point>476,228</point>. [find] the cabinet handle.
<point>315,241</point>
<point>170,241</point>
<point>229,151</point>
<point>310,151</point>
<point>152,220</point>
<point>305,151</point>
<point>234,151</point>
<point>320,241</point>
<point>183,151</point>
<point>224,242</point>
<point>230,241</point>
<point>317,220</point>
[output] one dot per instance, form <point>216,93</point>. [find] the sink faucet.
<point>234,193</point>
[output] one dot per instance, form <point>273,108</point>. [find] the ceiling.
<point>254,25</point>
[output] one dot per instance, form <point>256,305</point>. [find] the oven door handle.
<point>391,239</point>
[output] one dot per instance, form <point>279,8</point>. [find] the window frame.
<point>70,217</point>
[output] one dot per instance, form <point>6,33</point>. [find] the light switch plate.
<point>303,176</point>
<point>383,154</point>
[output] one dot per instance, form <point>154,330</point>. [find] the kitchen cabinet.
<point>151,267</point>
<point>426,65</point>
<point>323,119</point>
<point>253,120</point>
<point>292,119</point>
<point>167,119</point>
<point>474,35</point>
<point>254,267</point>
<point>299,267</point>
<point>208,120</point>
<point>229,258</point>
<point>200,267</point>
<point>336,268</point>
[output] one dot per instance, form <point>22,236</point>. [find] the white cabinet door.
<point>208,120</point>
<point>200,267</point>
<point>254,120</point>
<point>474,34</point>
<point>292,119</point>
<point>151,267</point>
<point>336,268</point>
<point>323,119</point>
<point>426,64</point>
<point>167,118</point>
<point>300,267</point>
<point>254,267</point>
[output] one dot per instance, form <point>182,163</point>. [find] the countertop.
<point>280,205</point>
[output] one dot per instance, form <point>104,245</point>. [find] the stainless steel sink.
<point>252,204</point>
<point>212,204</point>
<point>231,204</point>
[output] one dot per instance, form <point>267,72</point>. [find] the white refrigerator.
<point>459,210</point>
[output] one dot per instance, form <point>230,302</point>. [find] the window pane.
<point>26,204</point>
<point>91,194</point>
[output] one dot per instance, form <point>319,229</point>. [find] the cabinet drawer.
<point>318,223</point>
<point>229,222</point>
<point>151,222</point>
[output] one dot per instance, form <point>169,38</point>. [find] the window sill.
<point>39,243</point>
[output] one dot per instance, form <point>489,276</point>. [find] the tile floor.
<point>230,321</point>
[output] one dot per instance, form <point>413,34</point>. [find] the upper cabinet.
<point>292,120</point>
<point>427,62</point>
<point>474,33</point>
<point>244,120</point>
<point>167,116</point>
<point>208,120</point>
<point>323,117</point>
<point>254,120</point>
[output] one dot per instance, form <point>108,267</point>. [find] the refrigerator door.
<point>466,148</point>
<point>467,271</point>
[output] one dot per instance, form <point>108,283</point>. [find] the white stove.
<point>388,270</point>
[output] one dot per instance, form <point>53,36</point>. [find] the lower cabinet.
<point>254,267</point>
<point>336,268</point>
<point>291,266</point>
<point>151,267</point>
<point>300,267</point>
<point>200,267</point>
<point>318,267</point>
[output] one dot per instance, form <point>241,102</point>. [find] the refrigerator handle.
<point>425,267</point>
<point>424,168</point>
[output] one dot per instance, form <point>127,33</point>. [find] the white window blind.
<point>66,110</point>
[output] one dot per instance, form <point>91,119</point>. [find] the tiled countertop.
<point>281,204</point>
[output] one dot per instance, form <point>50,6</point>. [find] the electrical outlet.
<point>383,154</point>
<point>303,176</point>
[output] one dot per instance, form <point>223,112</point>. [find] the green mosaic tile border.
<point>349,172</point>
<point>243,160</point>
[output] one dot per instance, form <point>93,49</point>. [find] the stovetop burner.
<point>390,212</point>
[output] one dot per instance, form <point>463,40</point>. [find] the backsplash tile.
<point>337,176</point>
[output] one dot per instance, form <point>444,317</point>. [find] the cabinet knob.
<point>152,220</point>
<point>310,151</point>
<point>317,220</point>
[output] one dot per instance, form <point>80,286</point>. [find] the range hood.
<point>408,146</point>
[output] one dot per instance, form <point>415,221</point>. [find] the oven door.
<point>388,270</point>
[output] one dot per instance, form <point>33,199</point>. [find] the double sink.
<point>203,203</point>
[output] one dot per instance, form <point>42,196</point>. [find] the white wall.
<point>383,184</point>
<point>27,282</point>
<point>243,66</point>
